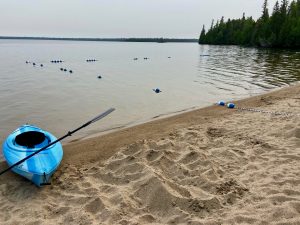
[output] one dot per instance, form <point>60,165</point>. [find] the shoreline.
<point>211,165</point>
<point>131,124</point>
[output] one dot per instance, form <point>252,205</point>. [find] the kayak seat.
<point>30,139</point>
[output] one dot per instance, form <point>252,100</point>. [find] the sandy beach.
<point>209,166</point>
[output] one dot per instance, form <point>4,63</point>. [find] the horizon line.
<point>125,39</point>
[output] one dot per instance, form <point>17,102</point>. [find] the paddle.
<point>66,135</point>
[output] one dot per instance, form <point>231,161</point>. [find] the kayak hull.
<point>25,141</point>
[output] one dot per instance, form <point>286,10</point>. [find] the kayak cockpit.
<point>30,139</point>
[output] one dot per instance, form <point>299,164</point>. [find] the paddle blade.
<point>102,115</point>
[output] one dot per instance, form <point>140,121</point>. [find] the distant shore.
<point>157,40</point>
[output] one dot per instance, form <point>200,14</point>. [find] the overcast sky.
<point>118,18</point>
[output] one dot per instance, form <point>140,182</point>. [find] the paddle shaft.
<point>61,138</point>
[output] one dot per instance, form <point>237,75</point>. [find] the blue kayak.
<point>26,140</point>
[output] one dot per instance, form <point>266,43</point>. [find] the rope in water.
<point>233,106</point>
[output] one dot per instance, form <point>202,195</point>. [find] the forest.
<point>279,29</point>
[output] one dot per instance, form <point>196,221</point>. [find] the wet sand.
<point>209,166</point>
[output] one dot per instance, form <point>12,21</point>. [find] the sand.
<point>209,166</point>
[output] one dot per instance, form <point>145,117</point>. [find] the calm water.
<point>194,76</point>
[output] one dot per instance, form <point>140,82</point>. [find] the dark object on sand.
<point>221,103</point>
<point>230,105</point>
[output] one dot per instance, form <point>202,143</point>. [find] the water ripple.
<point>248,67</point>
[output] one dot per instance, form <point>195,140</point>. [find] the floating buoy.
<point>169,57</point>
<point>157,90</point>
<point>65,70</point>
<point>230,105</point>
<point>42,65</point>
<point>99,77</point>
<point>62,69</point>
<point>27,62</point>
<point>71,71</point>
<point>33,64</point>
<point>222,103</point>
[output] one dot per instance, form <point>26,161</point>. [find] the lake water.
<point>189,75</point>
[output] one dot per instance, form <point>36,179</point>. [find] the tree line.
<point>281,29</point>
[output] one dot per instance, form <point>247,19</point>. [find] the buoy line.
<point>233,106</point>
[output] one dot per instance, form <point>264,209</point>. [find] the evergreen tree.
<point>265,13</point>
<point>212,24</point>
<point>275,24</point>
<point>283,8</point>
<point>202,36</point>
